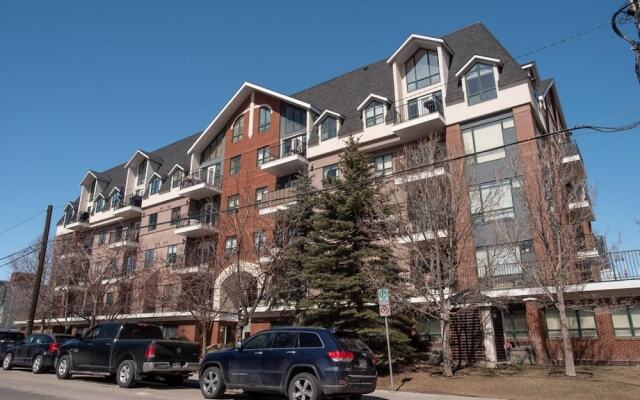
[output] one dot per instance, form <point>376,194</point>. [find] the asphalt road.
<point>21,384</point>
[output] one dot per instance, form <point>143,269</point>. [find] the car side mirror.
<point>239,345</point>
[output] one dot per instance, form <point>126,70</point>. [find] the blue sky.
<point>83,84</point>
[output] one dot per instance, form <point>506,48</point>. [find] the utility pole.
<point>629,14</point>
<point>41,259</point>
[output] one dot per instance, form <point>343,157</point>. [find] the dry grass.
<point>620,383</point>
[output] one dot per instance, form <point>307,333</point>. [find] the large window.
<point>262,156</point>
<point>100,204</point>
<point>498,260</point>
<point>115,200</point>
<point>154,187</point>
<point>264,122</point>
<point>422,70</point>
<point>492,201</point>
<point>294,119</point>
<point>581,323</point>
<point>238,127</point>
<point>486,142</point>
<point>374,113</point>
<point>626,323</point>
<point>383,165</point>
<point>176,179</point>
<point>234,165</point>
<point>328,128</point>
<point>261,194</point>
<point>142,172</point>
<point>514,323</point>
<point>92,190</point>
<point>214,150</point>
<point>172,254</point>
<point>481,85</point>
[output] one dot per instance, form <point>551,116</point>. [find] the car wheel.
<point>36,366</point>
<point>7,362</point>
<point>126,374</point>
<point>63,368</point>
<point>174,380</point>
<point>212,383</point>
<point>304,386</point>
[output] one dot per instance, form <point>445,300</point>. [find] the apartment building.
<point>162,215</point>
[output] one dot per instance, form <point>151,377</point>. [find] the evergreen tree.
<point>344,239</point>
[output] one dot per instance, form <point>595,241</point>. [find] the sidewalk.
<point>388,395</point>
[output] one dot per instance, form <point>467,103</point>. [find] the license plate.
<point>176,365</point>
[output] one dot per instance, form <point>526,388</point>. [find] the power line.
<point>21,222</point>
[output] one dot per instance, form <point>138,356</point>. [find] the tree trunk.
<point>447,357</point>
<point>569,363</point>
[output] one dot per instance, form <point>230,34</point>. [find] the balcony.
<point>572,158</point>
<point>201,184</point>
<point>79,221</point>
<point>582,208</point>
<point>199,225</point>
<point>278,200</point>
<point>421,237</point>
<point>417,116</point>
<point>129,207</point>
<point>285,159</point>
<point>124,238</point>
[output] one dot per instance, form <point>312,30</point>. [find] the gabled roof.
<point>220,120</point>
<point>326,113</point>
<point>419,39</point>
<point>146,154</point>
<point>370,98</point>
<point>95,175</point>
<point>475,59</point>
<point>176,166</point>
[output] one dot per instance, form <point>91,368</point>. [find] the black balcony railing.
<point>418,107</point>
<point>133,201</point>
<point>201,218</point>
<point>77,216</point>
<point>202,176</point>
<point>122,235</point>
<point>621,265</point>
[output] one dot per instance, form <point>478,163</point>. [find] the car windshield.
<point>351,341</point>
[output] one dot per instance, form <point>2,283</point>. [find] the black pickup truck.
<point>129,352</point>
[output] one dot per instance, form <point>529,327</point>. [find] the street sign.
<point>383,296</point>
<point>385,310</point>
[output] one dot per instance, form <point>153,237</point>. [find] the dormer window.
<point>374,113</point>
<point>422,70</point>
<point>142,172</point>
<point>115,200</point>
<point>237,129</point>
<point>480,84</point>
<point>154,186</point>
<point>100,204</point>
<point>176,178</point>
<point>264,122</point>
<point>328,128</point>
<point>92,190</point>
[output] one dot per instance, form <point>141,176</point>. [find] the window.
<point>259,241</point>
<point>514,323</point>
<point>581,323</point>
<point>374,113</point>
<point>285,340</point>
<point>481,85</point>
<point>153,222</point>
<point>261,194</point>
<point>492,201</point>
<point>263,156</point>
<point>237,129</point>
<point>169,332</point>
<point>102,237</point>
<point>107,301</point>
<point>487,140</point>
<point>154,187</point>
<point>107,331</point>
<point>129,265</point>
<point>330,174</point>
<point>233,202</point>
<point>264,121</point>
<point>428,329</point>
<point>148,258</point>
<point>214,150</point>
<point>422,70</point>
<point>294,119</point>
<point>234,165</point>
<point>231,245</point>
<point>309,339</point>
<point>92,190</point>
<point>383,165</point>
<point>172,254</point>
<point>498,260</point>
<point>115,200</point>
<point>328,128</point>
<point>101,204</point>
<point>259,341</point>
<point>176,179</point>
<point>175,216</point>
<point>142,172</point>
<point>626,323</point>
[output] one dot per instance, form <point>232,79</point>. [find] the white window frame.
<point>483,153</point>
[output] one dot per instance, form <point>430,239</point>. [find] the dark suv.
<point>302,363</point>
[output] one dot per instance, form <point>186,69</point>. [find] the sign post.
<point>385,311</point>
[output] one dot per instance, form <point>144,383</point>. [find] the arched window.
<point>481,84</point>
<point>422,70</point>
<point>328,128</point>
<point>237,129</point>
<point>264,122</point>
<point>154,187</point>
<point>374,113</point>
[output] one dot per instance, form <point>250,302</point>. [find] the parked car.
<point>9,338</point>
<point>301,363</point>
<point>130,352</point>
<point>37,351</point>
